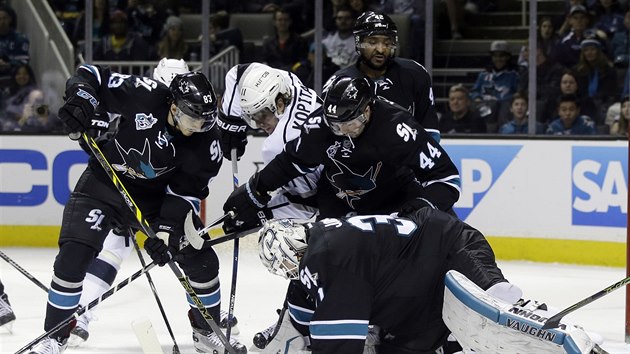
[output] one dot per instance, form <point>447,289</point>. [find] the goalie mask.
<point>167,69</point>
<point>282,244</point>
<point>196,103</point>
<point>260,87</point>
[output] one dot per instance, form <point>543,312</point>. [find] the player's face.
<point>266,120</point>
<point>352,128</point>
<point>186,124</point>
<point>377,49</point>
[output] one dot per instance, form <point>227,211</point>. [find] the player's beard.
<point>381,67</point>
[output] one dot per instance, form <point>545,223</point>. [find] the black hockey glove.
<point>233,135</point>
<point>165,246</point>
<point>249,206</point>
<point>78,112</point>
<point>410,206</point>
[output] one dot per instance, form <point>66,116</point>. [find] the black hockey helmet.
<point>195,98</point>
<point>346,99</point>
<point>371,23</point>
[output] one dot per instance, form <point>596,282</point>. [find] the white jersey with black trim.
<point>304,101</point>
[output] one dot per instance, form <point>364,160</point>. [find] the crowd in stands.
<point>581,56</point>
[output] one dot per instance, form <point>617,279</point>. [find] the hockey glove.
<point>233,135</point>
<point>249,206</point>
<point>78,112</point>
<point>163,248</point>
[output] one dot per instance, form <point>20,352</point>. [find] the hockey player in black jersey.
<point>165,150</point>
<point>375,157</point>
<point>391,272</point>
<point>400,80</point>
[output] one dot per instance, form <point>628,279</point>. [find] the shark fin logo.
<point>137,164</point>
<point>352,185</point>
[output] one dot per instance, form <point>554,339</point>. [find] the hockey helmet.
<point>345,102</point>
<point>196,102</point>
<point>167,69</point>
<point>259,89</point>
<point>371,23</point>
<point>281,246</point>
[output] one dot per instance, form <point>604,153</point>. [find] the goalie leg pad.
<point>288,340</point>
<point>486,324</point>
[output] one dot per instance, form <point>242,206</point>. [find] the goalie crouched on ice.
<point>390,272</point>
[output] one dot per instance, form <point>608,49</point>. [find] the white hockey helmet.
<point>167,69</point>
<point>282,244</point>
<point>259,89</point>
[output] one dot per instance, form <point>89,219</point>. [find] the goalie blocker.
<point>486,324</point>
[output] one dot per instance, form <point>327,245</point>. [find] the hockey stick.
<point>155,294</point>
<point>144,224</point>
<point>228,331</point>
<point>23,271</point>
<point>81,310</point>
<point>554,321</point>
<point>193,237</point>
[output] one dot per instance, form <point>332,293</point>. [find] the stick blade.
<point>143,328</point>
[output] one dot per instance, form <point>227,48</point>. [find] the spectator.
<point>460,117</point>
<point>548,76</point>
<point>147,17</point>
<point>618,116</point>
<point>565,27</point>
<point>570,122</point>
<point>21,83</point>
<point>172,45</point>
<point>340,46</point>
<point>67,12</point>
<point>547,37</point>
<point>619,43</point>
<point>222,35</point>
<point>27,110</point>
<point>305,69</point>
<point>122,44</point>
<point>568,86</point>
<point>567,51</point>
<point>14,45</point>
<point>361,6</point>
<point>494,87</point>
<point>608,17</point>
<point>329,11</point>
<point>596,78</point>
<point>520,122</point>
<point>100,24</point>
<point>286,47</point>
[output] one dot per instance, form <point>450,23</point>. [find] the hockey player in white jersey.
<point>276,101</point>
<point>117,245</point>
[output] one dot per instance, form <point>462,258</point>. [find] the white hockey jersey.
<point>291,200</point>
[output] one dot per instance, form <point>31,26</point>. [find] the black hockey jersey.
<point>393,159</point>
<point>388,272</point>
<point>407,83</point>
<point>150,157</point>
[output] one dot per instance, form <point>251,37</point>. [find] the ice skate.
<point>223,324</point>
<point>79,334</point>
<point>208,342</point>
<point>6,313</point>
<point>49,346</point>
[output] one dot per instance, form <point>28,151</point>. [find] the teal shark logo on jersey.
<point>480,166</point>
<point>352,185</point>
<point>137,164</point>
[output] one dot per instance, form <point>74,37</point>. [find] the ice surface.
<point>259,294</point>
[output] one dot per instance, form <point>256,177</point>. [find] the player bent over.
<point>390,272</point>
<point>165,151</point>
<point>117,246</point>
